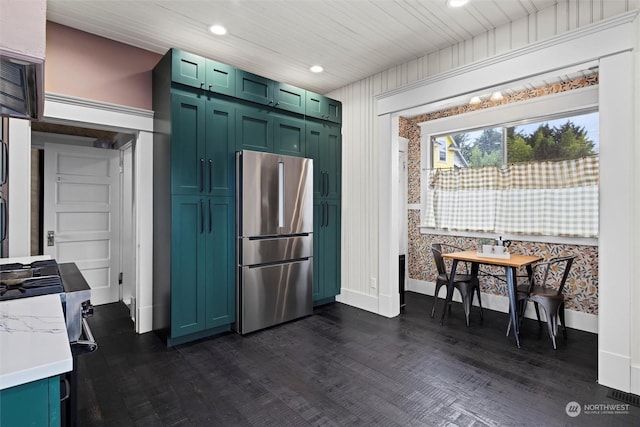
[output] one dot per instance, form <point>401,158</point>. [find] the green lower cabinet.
<point>202,281</point>
<point>326,250</point>
<point>34,404</point>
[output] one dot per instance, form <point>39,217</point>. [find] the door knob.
<point>50,238</point>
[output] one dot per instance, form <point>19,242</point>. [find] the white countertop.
<point>33,340</point>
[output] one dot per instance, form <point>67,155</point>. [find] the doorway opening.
<point>82,205</point>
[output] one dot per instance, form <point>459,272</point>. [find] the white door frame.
<point>81,112</point>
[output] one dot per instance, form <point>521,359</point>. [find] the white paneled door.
<point>81,206</point>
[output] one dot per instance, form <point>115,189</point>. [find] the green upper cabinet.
<point>260,129</point>
<point>195,71</point>
<point>262,90</point>
<point>220,78</point>
<point>289,98</point>
<point>254,129</point>
<point>188,153</point>
<point>188,68</point>
<point>220,147</point>
<point>289,133</point>
<point>202,145</point>
<point>324,146</point>
<point>323,108</point>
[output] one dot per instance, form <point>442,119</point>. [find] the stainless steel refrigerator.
<point>274,246</point>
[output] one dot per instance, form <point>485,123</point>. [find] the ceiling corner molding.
<point>556,41</point>
<point>63,108</point>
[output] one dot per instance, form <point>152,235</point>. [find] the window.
<point>552,139</point>
<point>533,174</point>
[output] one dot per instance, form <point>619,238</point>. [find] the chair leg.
<point>561,316</point>
<point>535,305</point>
<point>435,299</point>
<point>479,302</point>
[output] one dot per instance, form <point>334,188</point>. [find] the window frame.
<point>573,102</point>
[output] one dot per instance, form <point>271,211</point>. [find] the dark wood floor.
<point>344,367</point>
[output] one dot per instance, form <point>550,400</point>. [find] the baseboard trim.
<point>615,371</point>
<point>635,379</point>
<point>575,319</point>
<point>145,320</point>
<point>359,300</point>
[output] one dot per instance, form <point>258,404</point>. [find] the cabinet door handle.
<point>201,217</point>
<point>327,205</point>
<point>201,175</point>
<point>325,216</point>
<point>210,175</point>
<point>5,162</point>
<point>210,218</point>
<point>322,183</point>
<point>326,187</point>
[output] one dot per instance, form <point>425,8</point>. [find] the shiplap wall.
<point>359,133</point>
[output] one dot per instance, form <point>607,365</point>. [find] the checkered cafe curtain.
<point>551,198</point>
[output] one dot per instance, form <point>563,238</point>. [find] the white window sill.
<point>561,240</point>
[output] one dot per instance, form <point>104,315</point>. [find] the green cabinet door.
<point>220,78</point>
<point>326,250</point>
<point>34,404</point>
<point>254,88</point>
<point>289,136</point>
<point>254,129</point>
<point>289,98</point>
<point>188,246</point>
<point>187,144</point>
<point>220,148</point>
<point>220,262</point>
<point>321,107</point>
<point>188,69</point>
<point>324,146</point>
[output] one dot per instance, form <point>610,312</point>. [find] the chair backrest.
<point>442,248</point>
<point>553,272</point>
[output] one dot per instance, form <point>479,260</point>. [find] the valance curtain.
<point>551,198</point>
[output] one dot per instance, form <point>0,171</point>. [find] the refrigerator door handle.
<point>3,218</point>
<point>5,163</point>
<point>281,194</point>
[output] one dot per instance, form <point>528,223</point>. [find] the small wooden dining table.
<point>510,264</point>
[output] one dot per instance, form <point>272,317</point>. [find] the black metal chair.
<point>545,288</point>
<point>465,283</point>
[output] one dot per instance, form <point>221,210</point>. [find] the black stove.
<point>28,280</point>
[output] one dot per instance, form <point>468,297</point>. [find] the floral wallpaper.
<point>581,289</point>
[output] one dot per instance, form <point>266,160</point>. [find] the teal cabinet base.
<point>324,301</point>
<point>197,335</point>
<point>32,404</point>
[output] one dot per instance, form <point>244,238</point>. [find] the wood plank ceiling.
<point>281,39</point>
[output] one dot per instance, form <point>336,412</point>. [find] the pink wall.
<point>87,66</point>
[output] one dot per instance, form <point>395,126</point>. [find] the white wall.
<point>364,178</point>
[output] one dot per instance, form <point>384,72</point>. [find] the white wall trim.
<point>539,57</point>
<point>83,112</point>
<point>19,209</point>
<point>575,319</point>
<point>358,300</point>
<point>635,379</point>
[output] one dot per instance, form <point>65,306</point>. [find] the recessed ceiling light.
<point>475,100</point>
<point>218,30</point>
<point>316,69</point>
<point>456,3</point>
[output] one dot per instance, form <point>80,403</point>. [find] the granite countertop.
<point>33,340</point>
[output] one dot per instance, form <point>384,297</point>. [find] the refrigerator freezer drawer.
<point>262,251</point>
<point>275,294</point>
